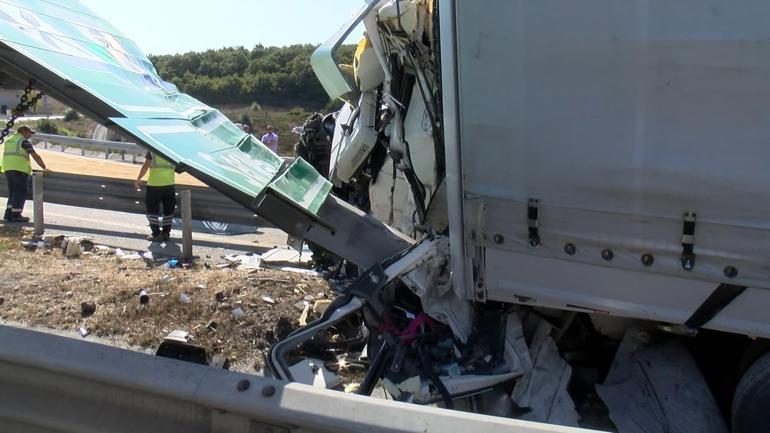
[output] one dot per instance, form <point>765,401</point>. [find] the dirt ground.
<point>42,288</point>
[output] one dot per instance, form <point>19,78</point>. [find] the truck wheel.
<point>752,399</point>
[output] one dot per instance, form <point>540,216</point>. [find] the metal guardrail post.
<point>37,199</point>
<point>186,199</point>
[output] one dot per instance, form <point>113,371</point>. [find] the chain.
<point>25,103</point>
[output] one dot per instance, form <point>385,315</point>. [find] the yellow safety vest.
<point>161,172</point>
<point>14,157</point>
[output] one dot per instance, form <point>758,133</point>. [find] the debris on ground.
<point>543,389</point>
<point>87,309</point>
<point>45,289</point>
<point>312,371</point>
<point>238,313</point>
<point>268,299</point>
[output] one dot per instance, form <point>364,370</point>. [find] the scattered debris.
<point>177,346</point>
<point>82,331</point>
<point>87,309</point>
<point>171,263</point>
<point>268,299</point>
<point>311,371</point>
<point>184,298</point>
<point>238,313</point>
<point>144,298</point>
<point>53,241</point>
<point>73,248</point>
<point>303,316</point>
<point>245,261</point>
<point>200,286</point>
<point>287,256</point>
<point>220,296</point>
<point>320,306</point>
<point>212,326</point>
<point>544,388</point>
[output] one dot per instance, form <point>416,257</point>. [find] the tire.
<point>751,403</point>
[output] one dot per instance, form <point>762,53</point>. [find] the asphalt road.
<point>127,231</point>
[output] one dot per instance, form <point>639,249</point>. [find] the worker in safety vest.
<point>160,191</point>
<point>17,170</point>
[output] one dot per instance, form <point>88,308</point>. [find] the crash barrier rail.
<point>53,383</point>
<point>84,143</point>
<point>120,195</point>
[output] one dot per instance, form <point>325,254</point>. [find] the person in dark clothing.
<point>16,165</point>
<point>160,192</point>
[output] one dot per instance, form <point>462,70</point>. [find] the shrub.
<point>71,116</point>
<point>47,127</point>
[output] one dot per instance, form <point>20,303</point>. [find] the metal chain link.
<point>25,103</point>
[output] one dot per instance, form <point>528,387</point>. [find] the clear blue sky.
<point>176,26</point>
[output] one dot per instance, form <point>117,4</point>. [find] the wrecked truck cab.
<point>565,163</point>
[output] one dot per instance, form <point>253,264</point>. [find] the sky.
<point>178,26</point>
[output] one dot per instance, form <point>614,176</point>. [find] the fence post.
<point>82,149</point>
<point>37,200</point>
<point>186,199</point>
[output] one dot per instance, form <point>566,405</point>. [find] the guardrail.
<point>57,384</point>
<point>83,143</point>
<point>120,195</point>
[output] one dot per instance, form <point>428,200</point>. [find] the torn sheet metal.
<point>430,280</point>
<point>544,389</point>
<point>658,389</point>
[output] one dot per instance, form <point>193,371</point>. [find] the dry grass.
<point>42,288</point>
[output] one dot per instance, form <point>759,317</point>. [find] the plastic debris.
<point>268,299</point>
<point>144,298</point>
<point>211,326</point>
<point>177,335</point>
<point>320,306</point>
<point>200,286</point>
<point>238,313</point>
<point>87,309</point>
<point>171,263</point>
<point>303,316</point>
<point>311,371</point>
<point>246,261</point>
<point>184,298</point>
<point>53,241</point>
<point>82,331</point>
<point>73,248</point>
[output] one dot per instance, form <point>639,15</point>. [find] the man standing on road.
<point>160,190</point>
<point>270,139</point>
<point>17,170</point>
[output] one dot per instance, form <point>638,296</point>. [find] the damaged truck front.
<point>585,189</point>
